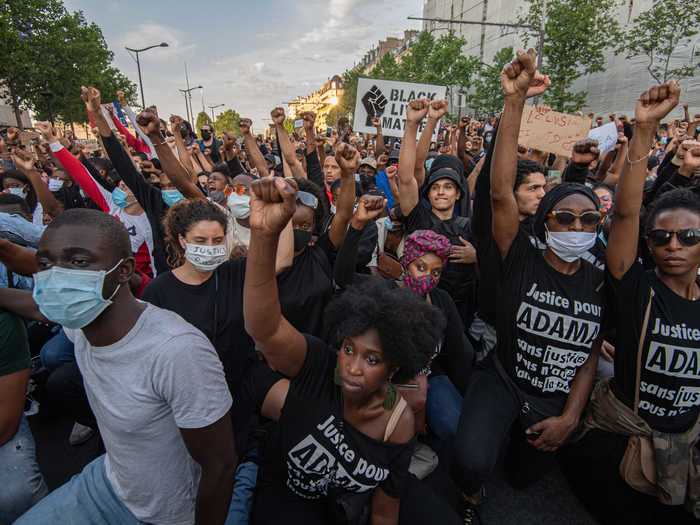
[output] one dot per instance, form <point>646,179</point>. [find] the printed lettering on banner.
<point>606,136</point>
<point>388,100</point>
<point>550,131</point>
<point>324,459</point>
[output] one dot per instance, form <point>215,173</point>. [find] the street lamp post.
<point>188,93</point>
<point>212,108</point>
<point>138,66</point>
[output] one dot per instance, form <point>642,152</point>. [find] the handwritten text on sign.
<point>546,130</point>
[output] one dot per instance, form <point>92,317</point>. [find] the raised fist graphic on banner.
<point>374,102</point>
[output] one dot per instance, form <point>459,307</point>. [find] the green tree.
<point>577,34</point>
<point>487,97</point>
<point>228,121</point>
<point>202,119</point>
<point>387,68</point>
<point>346,104</point>
<point>49,54</point>
<point>656,34</point>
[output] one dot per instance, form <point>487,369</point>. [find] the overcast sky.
<point>250,55</point>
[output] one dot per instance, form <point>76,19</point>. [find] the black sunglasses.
<point>689,237</point>
<point>567,218</point>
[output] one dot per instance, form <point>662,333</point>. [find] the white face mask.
<point>239,205</point>
<point>206,258</point>
<point>55,184</point>
<point>569,246</point>
<point>333,208</point>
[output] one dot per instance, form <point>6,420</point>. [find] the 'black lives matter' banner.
<point>387,100</point>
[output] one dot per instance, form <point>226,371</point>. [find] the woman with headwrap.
<point>424,256</point>
<point>548,317</point>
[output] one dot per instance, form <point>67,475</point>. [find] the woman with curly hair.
<point>342,446</point>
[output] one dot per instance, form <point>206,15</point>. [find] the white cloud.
<point>145,35</point>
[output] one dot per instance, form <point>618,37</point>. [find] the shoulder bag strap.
<point>642,337</point>
<point>394,419</point>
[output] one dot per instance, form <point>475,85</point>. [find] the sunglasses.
<point>689,237</point>
<point>567,218</point>
<point>307,199</point>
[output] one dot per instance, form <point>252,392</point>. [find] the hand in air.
<point>369,209</point>
<point>245,126</point>
<point>47,131</point>
<point>272,204</point>
<point>417,110</point>
<point>277,115</point>
<point>521,78</point>
<point>657,102</point>
<point>347,157</point>
<point>23,159</point>
<point>437,109</point>
<point>585,151</point>
<point>91,98</point>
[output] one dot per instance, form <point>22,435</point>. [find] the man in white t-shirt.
<point>154,382</point>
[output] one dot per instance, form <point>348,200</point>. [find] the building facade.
<point>395,45</point>
<point>321,101</point>
<point>614,90</point>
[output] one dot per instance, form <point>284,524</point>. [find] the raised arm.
<point>288,152</point>
<point>272,204</point>
<point>251,147</point>
<point>408,186</point>
<point>462,142</point>
<point>436,111</point>
<point>519,80</point>
<point>379,147</point>
<point>310,131</point>
<point>653,105</point>
<point>613,175</point>
<point>134,142</point>
<point>24,161</point>
<point>132,118</point>
<point>348,159</point>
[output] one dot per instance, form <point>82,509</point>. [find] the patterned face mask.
<point>420,285</point>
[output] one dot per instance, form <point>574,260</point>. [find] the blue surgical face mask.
<point>72,298</point>
<point>171,197</point>
<point>20,192</point>
<point>428,163</point>
<point>389,224</point>
<point>119,197</point>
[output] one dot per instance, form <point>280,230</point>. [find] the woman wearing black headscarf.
<point>548,319</point>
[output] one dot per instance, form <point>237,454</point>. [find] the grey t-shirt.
<point>163,375</point>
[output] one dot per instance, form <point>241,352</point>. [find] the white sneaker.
<point>80,434</point>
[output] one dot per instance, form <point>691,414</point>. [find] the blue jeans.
<point>57,351</point>
<point>243,494</point>
<point>21,482</point>
<point>443,407</point>
<point>86,499</point>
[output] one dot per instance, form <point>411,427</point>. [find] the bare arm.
<point>24,161</point>
<point>408,186</point>
<point>652,107</point>
<point>288,153</point>
<point>613,175</point>
<point>436,111</point>
<point>519,80</point>
<point>202,159</point>
<point>18,259</point>
<point>212,447</point>
<point>14,388</point>
<point>348,159</point>
<point>379,147</point>
<point>21,303</point>
<point>310,130</point>
<point>474,175</point>
<point>272,204</point>
<point>251,146</point>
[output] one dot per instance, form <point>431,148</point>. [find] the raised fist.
<point>347,157</point>
<point>47,131</point>
<point>376,122</point>
<point>437,109</point>
<point>245,126</point>
<point>521,79</point>
<point>657,102</point>
<point>417,110</point>
<point>374,102</point>
<point>277,115</point>
<point>585,151</point>
<point>691,156</point>
<point>149,122</point>
<point>272,204</point>
<point>91,98</point>
<point>22,159</point>
<point>463,122</point>
<point>309,120</point>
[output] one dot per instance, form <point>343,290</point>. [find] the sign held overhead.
<point>550,131</point>
<point>387,100</point>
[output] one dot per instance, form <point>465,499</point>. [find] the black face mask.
<point>184,132</point>
<point>206,135</point>
<point>301,239</point>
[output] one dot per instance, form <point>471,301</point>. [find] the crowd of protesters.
<point>302,329</point>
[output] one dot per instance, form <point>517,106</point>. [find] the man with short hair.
<point>154,382</point>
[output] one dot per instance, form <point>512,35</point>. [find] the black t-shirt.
<point>547,321</point>
<point>196,304</point>
<point>312,454</point>
<point>459,280</point>
<point>669,392</point>
<point>307,286</point>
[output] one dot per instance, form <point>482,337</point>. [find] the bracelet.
<point>631,162</point>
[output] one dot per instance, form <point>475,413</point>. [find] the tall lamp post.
<point>138,65</point>
<point>212,108</point>
<point>188,94</point>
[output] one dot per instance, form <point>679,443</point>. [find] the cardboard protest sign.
<point>606,136</point>
<point>550,131</point>
<point>388,99</point>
